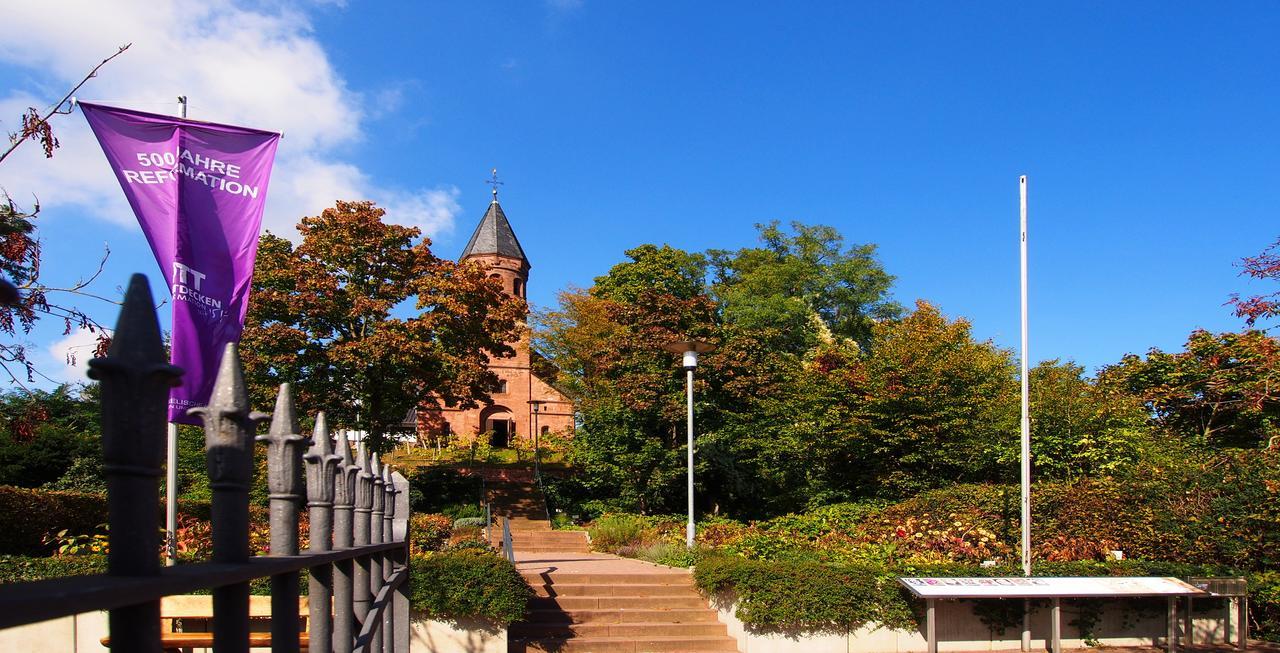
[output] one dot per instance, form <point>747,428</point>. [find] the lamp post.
<point>690,350</point>
<point>535,405</point>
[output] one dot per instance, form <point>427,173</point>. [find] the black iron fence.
<point>357,560</point>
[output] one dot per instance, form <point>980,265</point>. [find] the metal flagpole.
<point>1026,424</point>
<point>171,467</point>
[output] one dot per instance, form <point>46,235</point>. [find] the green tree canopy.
<point>797,282</point>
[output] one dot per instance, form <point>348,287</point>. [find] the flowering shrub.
<point>428,532</point>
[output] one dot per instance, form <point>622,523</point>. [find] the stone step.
<point>576,603</point>
<point>634,578</point>
<point>549,549</point>
<point>597,590</point>
<point>624,644</point>
<point>677,616</point>
<point>641,630</point>
<point>541,537</point>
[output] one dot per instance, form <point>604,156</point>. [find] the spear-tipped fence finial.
<point>284,472</point>
<point>321,465</point>
<point>284,449</point>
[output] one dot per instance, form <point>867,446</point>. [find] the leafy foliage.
<point>1265,265</point>
<point>807,596</point>
<point>466,585</point>
<point>791,279</point>
<point>1223,391</point>
<point>323,316</point>
<point>428,532</point>
<point>22,569</point>
<point>1082,428</point>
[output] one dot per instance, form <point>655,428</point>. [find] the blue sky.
<point>1148,131</point>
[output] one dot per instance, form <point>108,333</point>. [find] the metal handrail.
<point>488,521</point>
<point>508,549</point>
<point>537,477</point>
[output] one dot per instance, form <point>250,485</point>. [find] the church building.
<point>523,404</point>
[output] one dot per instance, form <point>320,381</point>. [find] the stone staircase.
<point>520,502</point>
<point>590,602</point>
<point>631,612</point>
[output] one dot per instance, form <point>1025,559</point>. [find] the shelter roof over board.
<point>1018,587</point>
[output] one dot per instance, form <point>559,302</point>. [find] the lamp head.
<point>689,349</point>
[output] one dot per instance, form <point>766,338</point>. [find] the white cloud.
<point>432,211</point>
<point>240,66</point>
<point>70,356</point>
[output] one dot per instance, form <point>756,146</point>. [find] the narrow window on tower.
<point>517,288</point>
<point>502,387</point>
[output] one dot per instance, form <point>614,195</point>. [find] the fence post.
<point>284,481</point>
<point>321,484</point>
<point>135,377</point>
<point>375,537</point>
<point>344,631</point>
<point>400,532</point>
<point>364,507</point>
<point>389,564</point>
<point>229,425</point>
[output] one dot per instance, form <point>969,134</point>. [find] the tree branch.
<point>28,133</point>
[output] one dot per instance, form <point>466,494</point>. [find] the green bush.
<point>469,510</point>
<point>469,522</point>
<point>21,569</point>
<point>33,514</point>
<point>468,584</point>
<point>806,596</point>
<point>1264,605</point>
<point>616,531</point>
<point>817,597</point>
<point>445,491</point>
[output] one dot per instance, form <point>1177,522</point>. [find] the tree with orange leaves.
<point>366,322</point>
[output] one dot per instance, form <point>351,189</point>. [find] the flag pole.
<point>171,466</point>
<point>1026,422</point>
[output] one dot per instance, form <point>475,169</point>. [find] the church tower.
<point>494,244</point>
<point>525,407</point>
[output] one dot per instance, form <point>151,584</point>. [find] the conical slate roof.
<point>494,236</point>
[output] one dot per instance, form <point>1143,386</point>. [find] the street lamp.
<point>690,350</point>
<point>535,405</point>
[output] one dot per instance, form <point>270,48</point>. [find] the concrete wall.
<point>83,634</point>
<point>426,636</point>
<point>79,634</point>
<point>960,630</point>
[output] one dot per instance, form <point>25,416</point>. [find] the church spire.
<point>494,236</point>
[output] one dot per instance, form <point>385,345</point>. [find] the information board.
<point>1018,587</point>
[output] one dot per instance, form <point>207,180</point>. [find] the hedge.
<point>468,584</point>
<point>811,596</point>
<point>47,511</point>
<point>21,569</point>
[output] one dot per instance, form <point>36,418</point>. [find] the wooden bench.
<point>197,612</point>
<point>187,642</point>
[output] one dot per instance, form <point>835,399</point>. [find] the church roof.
<point>494,236</point>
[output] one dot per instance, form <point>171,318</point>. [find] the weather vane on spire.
<point>495,183</point>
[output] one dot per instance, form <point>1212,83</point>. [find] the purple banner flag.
<point>198,190</point>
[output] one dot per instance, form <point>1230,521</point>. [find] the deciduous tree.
<point>1265,265</point>
<point>367,322</point>
<point>1222,391</point>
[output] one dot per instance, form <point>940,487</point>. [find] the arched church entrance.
<point>500,424</point>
